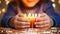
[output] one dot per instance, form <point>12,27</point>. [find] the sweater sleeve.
<point>49,10</point>
<point>8,15</point>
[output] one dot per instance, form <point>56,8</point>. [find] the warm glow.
<point>59,1</point>
<point>0,11</point>
<point>38,15</point>
<point>0,1</point>
<point>35,15</point>
<point>32,15</point>
<point>30,18</point>
<point>54,5</point>
<point>53,0</point>
<point>7,1</point>
<point>3,10</point>
<point>29,15</point>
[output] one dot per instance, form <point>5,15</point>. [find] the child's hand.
<point>19,22</point>
<point>44,21</point>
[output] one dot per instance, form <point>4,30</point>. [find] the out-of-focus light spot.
<point>7,1</point>
<point>0,11</point>
<point>59,1</point>
<point>0,1</point>
<point>3,10</point>
<point>54,5</point>
<point>53,0</point>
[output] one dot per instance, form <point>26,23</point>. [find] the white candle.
<point>38,15</point>
<point>29,15</point>
<point>35,15</point>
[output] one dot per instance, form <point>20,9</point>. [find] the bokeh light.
<point>0,11</point>
<point>0,1</point>
<point>7,2</point>
<point>53,0</point>
<point>3,10</point>
<point>54,5</point>
<point>59,1</point>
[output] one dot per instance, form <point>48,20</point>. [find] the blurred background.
<point>4,5</point>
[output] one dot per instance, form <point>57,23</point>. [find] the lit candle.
<point>35,15</point>
<point>30,17</point>
<point>25,16</point>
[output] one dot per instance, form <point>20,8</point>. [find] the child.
<point>12,17</point>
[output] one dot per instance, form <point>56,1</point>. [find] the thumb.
<point>20,14</point>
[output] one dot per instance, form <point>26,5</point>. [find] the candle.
<point>31,17</point>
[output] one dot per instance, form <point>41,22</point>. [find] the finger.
<point>46,16</point>
<point>26,23</point>
<point>47,25</point>
<point>21,19</point>
<point>23,23</point>
<point>41,19</point>
<point>38,23</point>
<point>42,14</point>
<point>43,25</point>
<point>47,20</point>
<point>20,27</point>
<point>42,22</point>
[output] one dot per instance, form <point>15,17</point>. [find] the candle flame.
<point>29,15</point>
<point>32,15</point>
<point>35,15</point>
<point>38,15</point>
